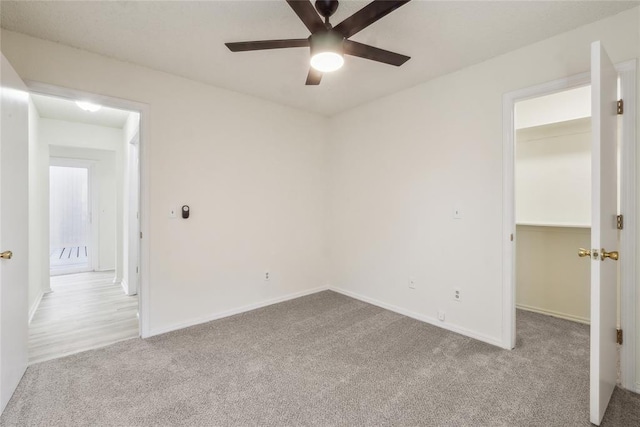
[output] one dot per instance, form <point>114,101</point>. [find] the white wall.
<point>401,164</point>
<point>73,134</point>
<point>104,145</point>
<point>550,278</point>
<point>553,174</point>
<point>557,107</point>
<point>38,213</point>
<point>252,171</point>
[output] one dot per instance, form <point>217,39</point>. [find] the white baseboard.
<point>34,306</point>
<point>243,309</point>
<point>427,319</point>
<point>557,314</point>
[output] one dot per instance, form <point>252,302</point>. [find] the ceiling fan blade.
<point>373,53</point>
<point>307,14</point>
<point>314,77</point>
<point>367,16</point>
<point>267,44</point>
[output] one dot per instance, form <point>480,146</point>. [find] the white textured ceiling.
<point>63,109</point>
<point>186,38</point>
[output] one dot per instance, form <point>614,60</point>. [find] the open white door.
<point>14,182</point>
<point>604,234</point>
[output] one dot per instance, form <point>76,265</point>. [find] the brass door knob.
<point>612,255</point>
<point>582,252</point>
<point>6,255</point>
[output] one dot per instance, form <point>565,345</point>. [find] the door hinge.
<point>620,107</point>
<point>141,234</point>
<point>619,336</point>
<point>136,270</point>
<point>620,222</point>
<point>511,237</point>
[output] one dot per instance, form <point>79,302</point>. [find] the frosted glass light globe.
<point>327,61</point>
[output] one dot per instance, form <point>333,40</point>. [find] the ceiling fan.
<point>329,44</point>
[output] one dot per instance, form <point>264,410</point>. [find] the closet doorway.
<point>553,204</point>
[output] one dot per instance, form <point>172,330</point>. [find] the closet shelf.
<point>551,224</point>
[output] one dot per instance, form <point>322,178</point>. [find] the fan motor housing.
<point>326,41</point>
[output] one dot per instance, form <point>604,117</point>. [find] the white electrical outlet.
<point>412,283</point>
<point>441,315</point>
<point>173,212</point>
<point>267,276</point>
<point>457,294</point>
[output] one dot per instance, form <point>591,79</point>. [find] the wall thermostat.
<point>185,211</point>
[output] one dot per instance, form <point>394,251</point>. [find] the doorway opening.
<point>553,205</point>
<point>552,189</point>
<point>626,206</point>
<point>84,172</point>
<point>70,211</point>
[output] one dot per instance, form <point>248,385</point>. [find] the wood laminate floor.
<point>82,312</point>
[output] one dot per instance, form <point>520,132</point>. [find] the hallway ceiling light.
<point>88,106</point>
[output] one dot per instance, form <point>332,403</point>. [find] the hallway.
<point>82,312</point>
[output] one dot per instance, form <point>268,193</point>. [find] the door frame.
<point>133,215</point>
<point>93,201</point>
<point>628,206</point>
<point>143,171</point>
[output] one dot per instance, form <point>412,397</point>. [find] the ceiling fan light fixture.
<point>327,51</point>
<point>88,106</point>
<point>327,61</point>
<point>328,44</point>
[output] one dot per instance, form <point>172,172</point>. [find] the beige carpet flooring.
<point>324,360</point>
